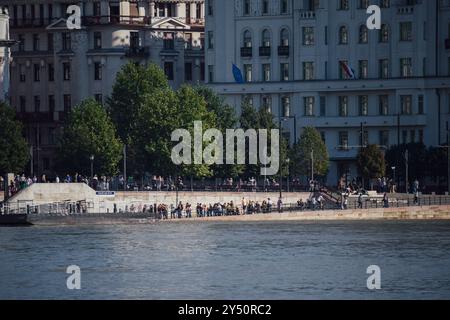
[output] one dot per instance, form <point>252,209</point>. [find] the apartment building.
<point>5,45</point>
<point>316,63</point>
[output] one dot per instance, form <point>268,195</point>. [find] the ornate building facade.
<point>54,68</point>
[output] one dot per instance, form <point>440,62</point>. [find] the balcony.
<point>34,117</point>
<point>246,52</point>
<point>307,15</point>
<point>283,51</point>
<point>405,10</point>
<point>137,52</point>
<point>31,23</point>
<point>121,20</point>
<point>447,44</point>
<point>264,51</point>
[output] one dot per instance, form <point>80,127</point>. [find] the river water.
<point>291,260</point>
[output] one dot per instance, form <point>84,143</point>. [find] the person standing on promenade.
<point>385,201</point>
<point>360,203</point>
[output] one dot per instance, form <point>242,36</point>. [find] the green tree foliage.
<point>300,155</point>
<point>89,131</point>
<point>417,164</point>
<point>371,163</point>
<point>14,150</point>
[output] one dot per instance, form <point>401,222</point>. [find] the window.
<point>309,106</point>
<point>21,40</point>
<point>37,72</point>
<point>404,136</point>
<point>246,7</point>
<point>51,72</point>
<point>97,71</point>
<point>363,34</point>
<point>421,136</point>
<point>168,42</point>
<point>67,98</point>
<point>412,136</point>
<point>420,106</point>
<point>308,36</point>
<point>266,103</point>
<point>35,42</point>
<point>384,33</point>
<point>23,104</point>
<point>168,70</point>
<point>343,140</point>
<point>66,71</point>
<point>405,31</point>
<point>266,72</point>
<point>248,72</point>
<point>284,69</point>
<point>247,39</point>
<point>37,104</point>
<point>265,39</point>
<point>323,106</point>
<point>406,104</point>
<point>284,6</point>
<point>364,138</point>
<point>66,41</point>
<point>97,40</point>
<point>384,68</point>
<point>210,40</point>
<point>51,104</point>
<point>384,138</point>
<point>286,106</point>
<point>343,35</point>
<point>211,73</point>
<point>363,4</point>
<point>97,9</point>
<point>99,98</point>
<point>363,105</point>
<point>343,106</point>
<point>384,105</point>
<point>284,38</point>
<point>343,5</point>
<point>188,41</point>
<point>385,4</point>
<point>308,70</point>
<point>363,69</point>
<point>265,7</point>
<point>188,71</point>
<point>211,7</point>
<point>22,73</point>
<point>50,42</point>
<point>202,71</point>
<point>406,67</point>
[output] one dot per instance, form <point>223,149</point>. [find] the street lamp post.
<point>279,145</point>
<point>287,163</point>
<point>92,166</point>
<point>393,170</point>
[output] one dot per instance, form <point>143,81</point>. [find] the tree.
<point>89,131</point>
<point>134,89</point>
<point>417,164</point>
<point>371,163</point>
<point>310,141</point>
<point>14,150</point>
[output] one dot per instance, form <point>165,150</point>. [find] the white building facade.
<point>5,45</point>
<point>291,54</point>
<point>54,68</point>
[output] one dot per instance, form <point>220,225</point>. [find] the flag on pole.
<point>348,70</point>
<point>237,74</point>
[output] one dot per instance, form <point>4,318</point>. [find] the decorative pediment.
<point>169,23</point>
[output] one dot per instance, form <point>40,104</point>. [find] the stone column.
<point>152,9</point>
<point>193,10</point>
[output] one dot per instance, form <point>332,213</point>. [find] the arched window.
<point>384,33</point>
<point>266,38</point>
<point>363,34</point>
<point>343,35</point>
<point>247,39</point>
<point>284,38</point>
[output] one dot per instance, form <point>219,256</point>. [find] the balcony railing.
<point>137,52</point>
<point>405,10</point>
<point>264,51</point>
<point>31,22</point>
<point>246,52</point>
<point>125,20</point>
<point>307,15</point>
<point>283,51</point>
